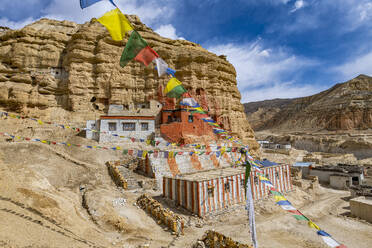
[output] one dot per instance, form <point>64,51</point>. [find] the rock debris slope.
<point>53,68</point>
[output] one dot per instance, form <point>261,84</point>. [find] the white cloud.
<point>257,66</point>
<point>15,25</point>
<point>298,5</point>
<point>265,70</point>
<point>168,31</point>
<point>150,11</point>
<point>278,90</point>
<point>356,66</point>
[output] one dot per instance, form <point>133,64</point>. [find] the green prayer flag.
<point>125,151</point>
<point>247,174</point>
<point>275,193</point>
<point>134,45</point>
<point>300,217</point>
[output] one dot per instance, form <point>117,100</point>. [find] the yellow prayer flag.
<point>313,225</point>
<point>279,198</point>
<point>116,23</point>
<point>144,154</point>
<point>40,122</point>
<point>223,149</point>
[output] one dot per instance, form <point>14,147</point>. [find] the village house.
<point>340,176</point>
<point>135,120</point>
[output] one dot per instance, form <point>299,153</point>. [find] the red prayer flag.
<point>146,56</point>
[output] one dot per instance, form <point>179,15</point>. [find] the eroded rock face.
<point>345,106</point>
<point>52,69</point>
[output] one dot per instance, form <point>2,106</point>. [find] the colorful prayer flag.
<point>134,45</point>
<point>116,23</point>
<point>161,66</point>
<point>171,71</point>
<point>313,225</point>
<point>174,88</point>
<point>189,101</point>
<point>87,3</point>
<point>146,56</point>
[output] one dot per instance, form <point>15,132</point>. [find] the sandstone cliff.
<point>51,69</point>
<point>345,106</point>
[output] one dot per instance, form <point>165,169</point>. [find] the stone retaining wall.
<point>212,239</point>
<point>115,174</point>
<point>161,214</point>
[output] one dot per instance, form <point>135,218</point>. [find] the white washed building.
<point>132,121</point>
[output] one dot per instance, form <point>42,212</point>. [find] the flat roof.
<point>105,117</point>
<point>363,199</point>
<point>213,174</point>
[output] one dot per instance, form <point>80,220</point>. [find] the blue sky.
<point>280,48</point>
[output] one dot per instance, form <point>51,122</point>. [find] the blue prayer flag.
<point>87,3</point>
<point>323,233</point>
<point>171,71</point>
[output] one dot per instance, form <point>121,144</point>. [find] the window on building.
<point>170,119</point>
<point>144,126</point>
<point>191,118</point>
<point>276,174</point>
<point>129,126</point>
<point>227,187</point>
<point>210,191</point>
<point>242,182</point>
<point>256,180</point>
<point>112,126</point>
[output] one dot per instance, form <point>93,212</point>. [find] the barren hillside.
<point>345,106</point>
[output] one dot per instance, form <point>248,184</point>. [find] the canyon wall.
<point>51,69</point>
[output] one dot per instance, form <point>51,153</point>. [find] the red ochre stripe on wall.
<point>195,162</point>
<point>215,161</point>
<point>173,167</point>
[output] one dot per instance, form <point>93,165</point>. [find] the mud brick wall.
<point>115,174</point>
<point>212,239</point>
<point>161,214</point>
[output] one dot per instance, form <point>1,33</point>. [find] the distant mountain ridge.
<point>345,106</point>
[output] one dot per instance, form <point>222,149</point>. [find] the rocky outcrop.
<point>345,106</point>
<point>51,69</point>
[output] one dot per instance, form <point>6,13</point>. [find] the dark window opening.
<point>256,180</point>
<point>144,126</point>
<point>191,118</point>
<point>355,180</point>
<point>211,191</point>
<point>169,120</point>
<point>129,126</point>
<point>227,187</point>
<point>112,126</point>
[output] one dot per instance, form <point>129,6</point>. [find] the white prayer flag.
<point>161,66</point>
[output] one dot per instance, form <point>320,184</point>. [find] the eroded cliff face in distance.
<point>51,69</point>
<point>345,106</point>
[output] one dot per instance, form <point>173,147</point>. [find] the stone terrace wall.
<point>161,214</point>
<point>115,174</point>
<point>212,239</point>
